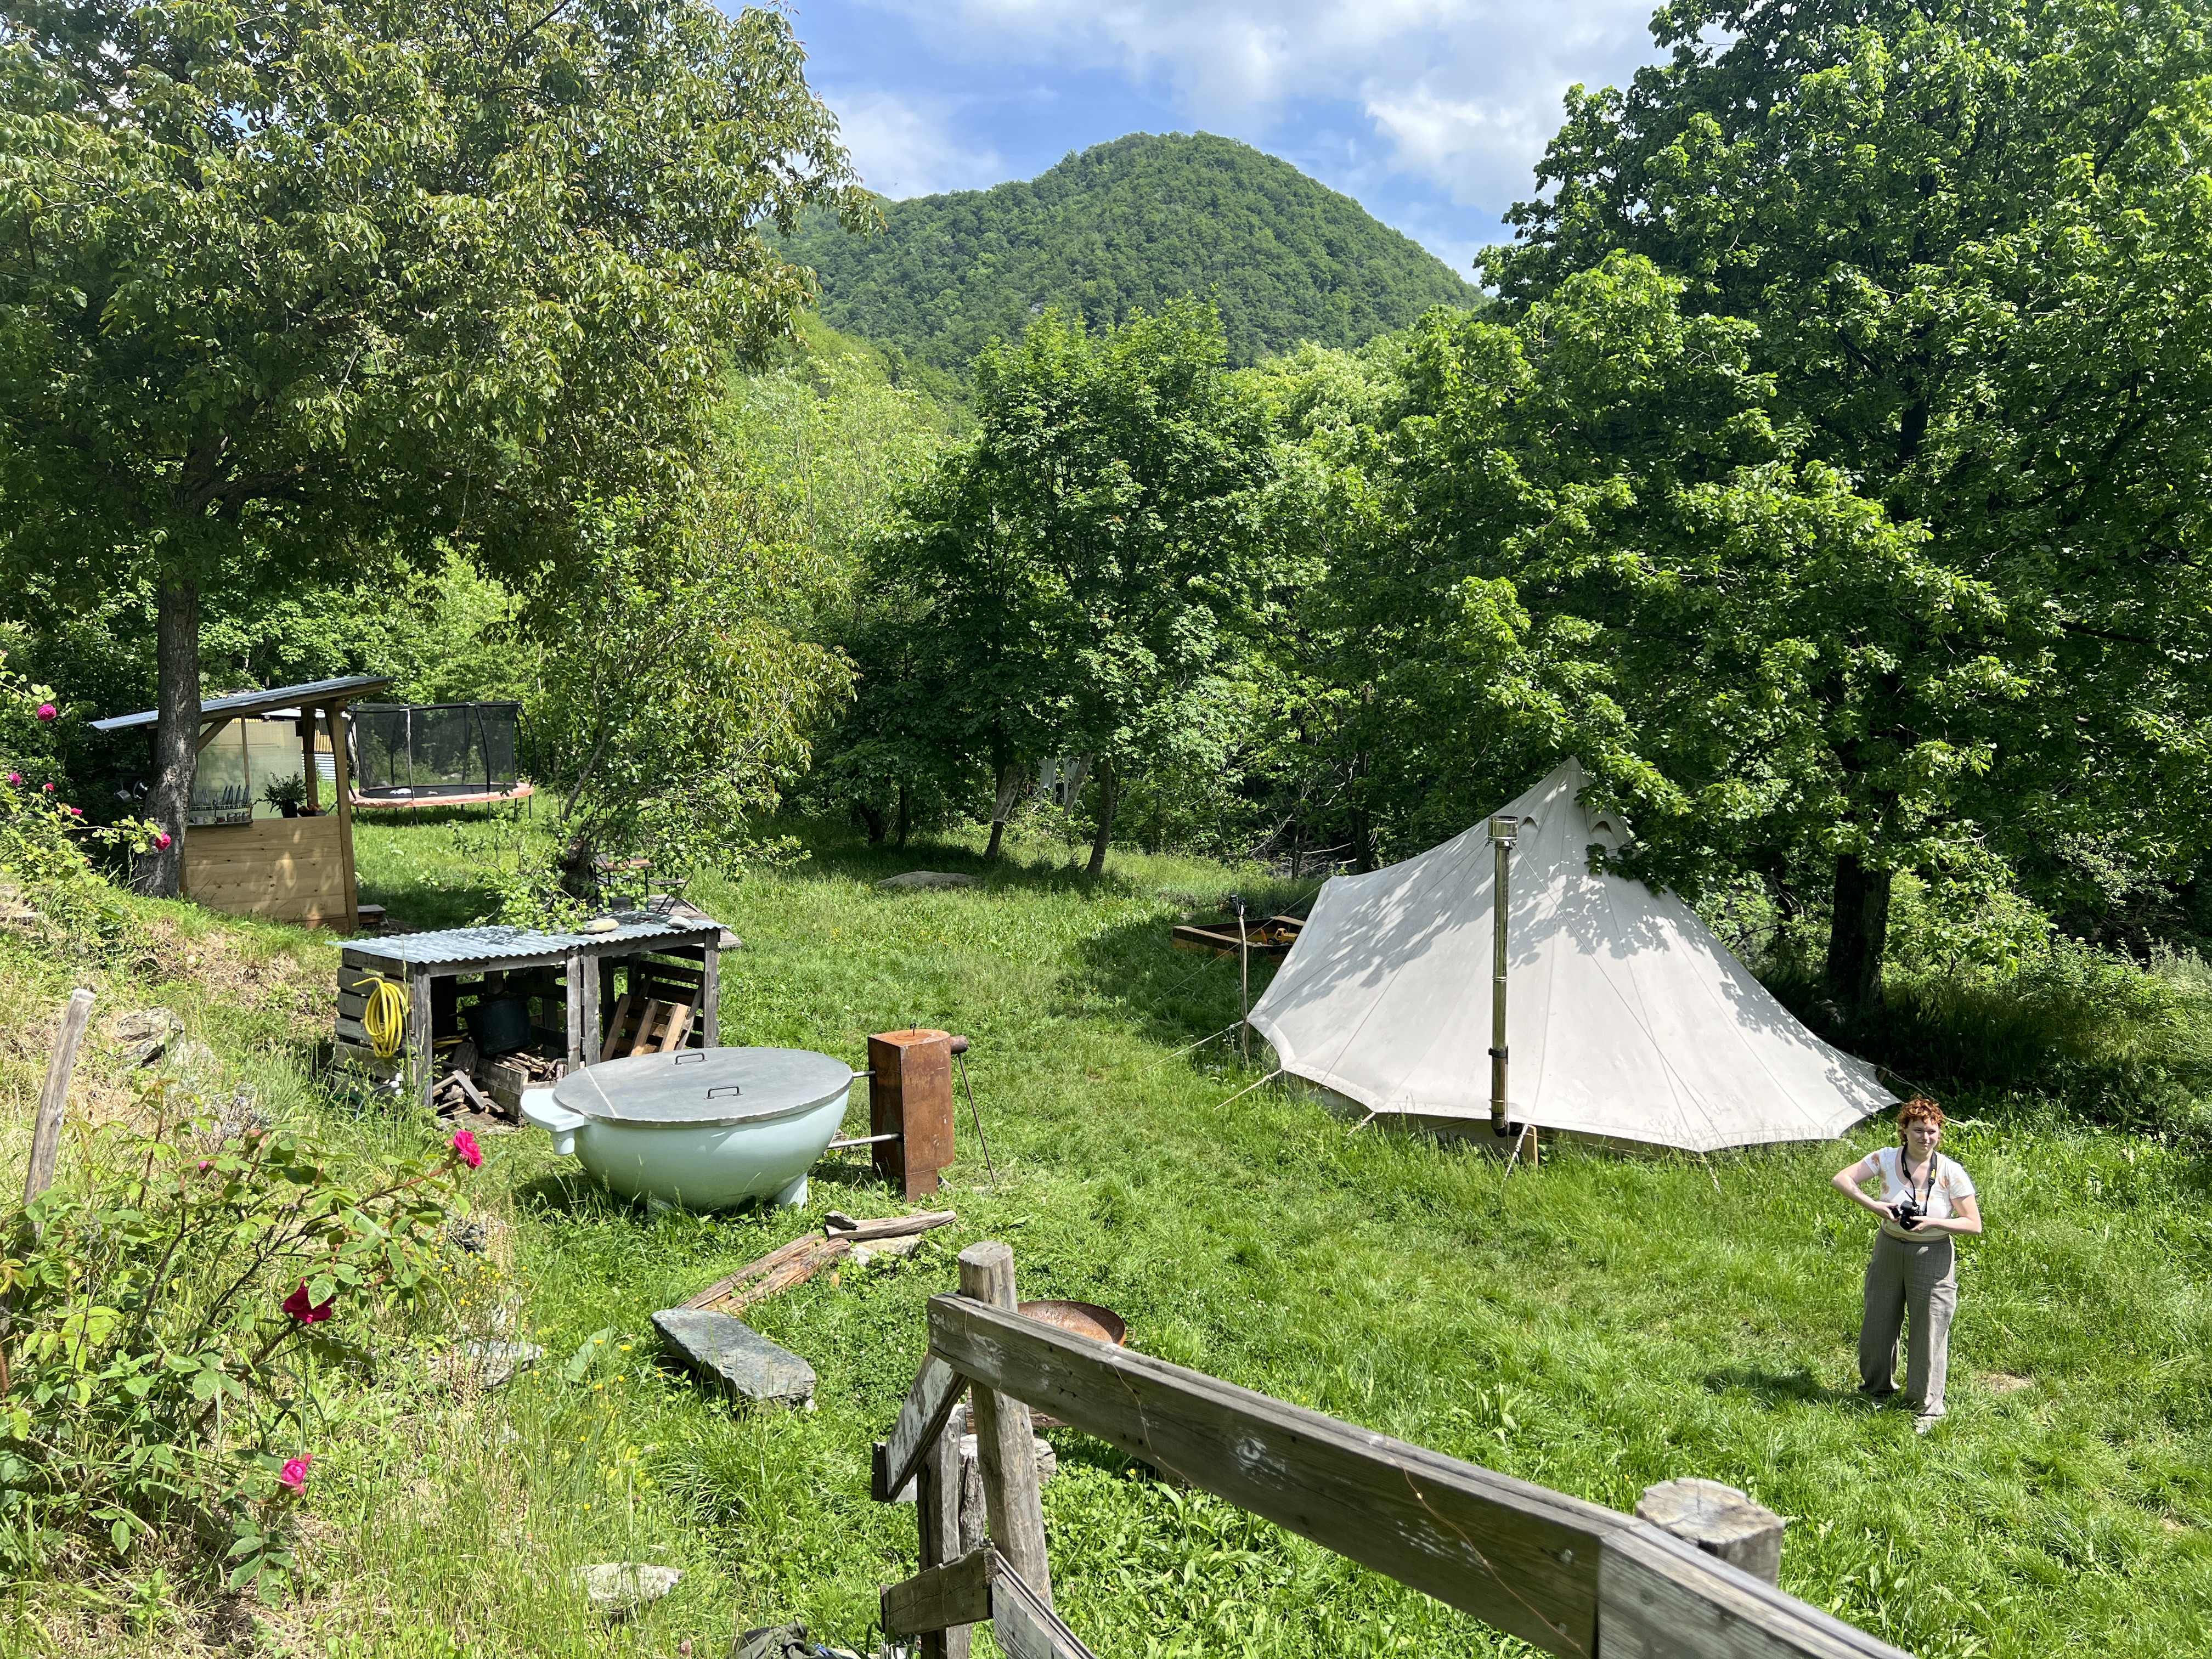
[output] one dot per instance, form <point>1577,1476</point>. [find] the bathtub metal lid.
<point>704,1087</point>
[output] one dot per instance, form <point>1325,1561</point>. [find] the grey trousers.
<point>1920,1276</point>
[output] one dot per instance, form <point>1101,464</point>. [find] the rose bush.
<point>184,1310</point>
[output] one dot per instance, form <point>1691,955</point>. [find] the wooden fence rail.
<point>1570,1577</point>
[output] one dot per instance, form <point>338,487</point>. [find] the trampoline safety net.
<point>438,753</point>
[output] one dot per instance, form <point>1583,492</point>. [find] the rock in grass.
<point>731,1353</point>
<point>621,1587</point>
<point>496,1363</point>
<point>139,1037</point>
<point>930,879</point>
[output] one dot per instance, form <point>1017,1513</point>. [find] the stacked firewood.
<point>457,1095</point>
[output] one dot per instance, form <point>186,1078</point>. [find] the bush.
<point>178,1313</point>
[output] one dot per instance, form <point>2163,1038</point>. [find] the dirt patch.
<point>2002,1383</point>
<point>228,975</point>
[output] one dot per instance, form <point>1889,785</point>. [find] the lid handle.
<point>723,1089</point>
<point>686,1059</point>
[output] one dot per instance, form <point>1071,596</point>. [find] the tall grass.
<point>1596,1325</point>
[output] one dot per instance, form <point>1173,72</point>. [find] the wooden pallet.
<point>647,1024</point>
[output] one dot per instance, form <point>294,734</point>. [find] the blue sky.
<point>1430,112</point>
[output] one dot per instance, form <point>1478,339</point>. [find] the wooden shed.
<point>245,857</point>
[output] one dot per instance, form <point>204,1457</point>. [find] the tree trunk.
<point>872,815</point>
<point>905,813</point>
<point>1858,933</point>
<point>158,873</point>
<point>1104,767</point>
<point>1010,783</point>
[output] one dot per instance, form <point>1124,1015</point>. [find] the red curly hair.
<point>1918,1109</point>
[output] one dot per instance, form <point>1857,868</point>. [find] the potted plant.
<point>287,795</point>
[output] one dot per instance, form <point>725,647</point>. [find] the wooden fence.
<point>1574,1578</point>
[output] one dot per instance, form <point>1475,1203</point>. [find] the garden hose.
<point>385,1019</point>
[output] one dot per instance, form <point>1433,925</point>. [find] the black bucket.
<point>500,1026</point>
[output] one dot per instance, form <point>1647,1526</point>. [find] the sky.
<point>1430,113</point>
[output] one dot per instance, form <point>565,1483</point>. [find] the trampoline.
<point>435,754</point>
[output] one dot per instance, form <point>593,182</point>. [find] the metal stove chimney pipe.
<point>1503,830</point>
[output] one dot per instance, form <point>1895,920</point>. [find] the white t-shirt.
<point>1941,1194</point>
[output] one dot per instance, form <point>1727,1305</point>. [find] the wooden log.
<point>53,1095</point>
<point>772,1275</point>
<point>1661,1598</point>
<point>921,1419</point>
<point>957,1592</point>
<point>1025,1625</point>
<point>1006,1444</point>
<point>839,1225</point>
<point>1516,1555</point>
<point>1718,1520</point>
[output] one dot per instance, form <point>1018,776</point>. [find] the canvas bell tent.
<point>1627,1020</point>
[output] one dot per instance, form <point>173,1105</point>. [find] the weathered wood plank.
<point>937,1389</point>
<point>936,1491</point>
<point>1025,1625</point>
<point>890,1226</point>
<point>938,1598</point>
<point>53,1095</point>
<point>1006,1444</point>
<point>1516,1555</point>
<point>1660,1597</point>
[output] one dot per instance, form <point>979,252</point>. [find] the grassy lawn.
<point>1597,1325</point>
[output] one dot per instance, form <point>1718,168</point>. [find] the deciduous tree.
<point>280,280</point>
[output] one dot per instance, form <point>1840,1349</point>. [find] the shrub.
<point>178,1312</point>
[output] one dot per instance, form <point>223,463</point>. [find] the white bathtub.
<point>709,1128</point>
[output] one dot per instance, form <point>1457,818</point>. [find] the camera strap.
<point>1918,1195</point>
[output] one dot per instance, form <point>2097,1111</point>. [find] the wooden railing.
<point>1573,1577</point>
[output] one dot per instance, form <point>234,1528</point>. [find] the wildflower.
<point>161,840</point>
<point>47,711</point>
<point>465,1148</point>
<point>76,812</point>
<point>295,1473</point>
<point>307,1312</point>
<point>48,787</point>
<point>15,777</point>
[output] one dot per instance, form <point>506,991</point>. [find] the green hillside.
<point>1126,227</point>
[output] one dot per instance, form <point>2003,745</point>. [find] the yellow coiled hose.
<point>385,1019</point>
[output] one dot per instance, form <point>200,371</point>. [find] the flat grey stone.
<point>621,1587</point>
<point>731,1353</point>
<point>496,1363</point>
<point>139,1037</point>
<point>930,879</point>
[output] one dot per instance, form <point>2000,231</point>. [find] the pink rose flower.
<point>47,711</point>
<point>76,812</point>
<point>465,1148</point>
<point>48,787</point>
<point>160,840</point>
<point>15,778</point>
<point>295,1473</point>
<point>305,1311</point>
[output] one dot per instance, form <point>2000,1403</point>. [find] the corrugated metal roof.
<point>477,944</point>
<point>257,702</point>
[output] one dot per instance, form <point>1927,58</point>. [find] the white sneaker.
<point>1924,1424</point>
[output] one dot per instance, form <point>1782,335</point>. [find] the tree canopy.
<point>279,282</point>
<point>1124,228</point>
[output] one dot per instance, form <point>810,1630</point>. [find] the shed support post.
<point>579,993</point>
<point>1006,1442</point>
<point>421,1048</point>
<point>710,995</point>
<point>342,786</point>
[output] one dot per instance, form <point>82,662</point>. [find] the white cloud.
<point>905,149</point>
<point>1464,92</point>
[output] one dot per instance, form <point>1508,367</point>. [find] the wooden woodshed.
<point>240,855</point>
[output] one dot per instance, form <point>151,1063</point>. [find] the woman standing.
<point>1925,1198</point>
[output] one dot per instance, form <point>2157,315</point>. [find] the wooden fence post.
<point>53,1099</point>
<point>937,1506</point>
<point>1720,1521</point>
<point>1006,1444</point>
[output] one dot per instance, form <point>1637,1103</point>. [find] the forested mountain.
<point>1126,226</point>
